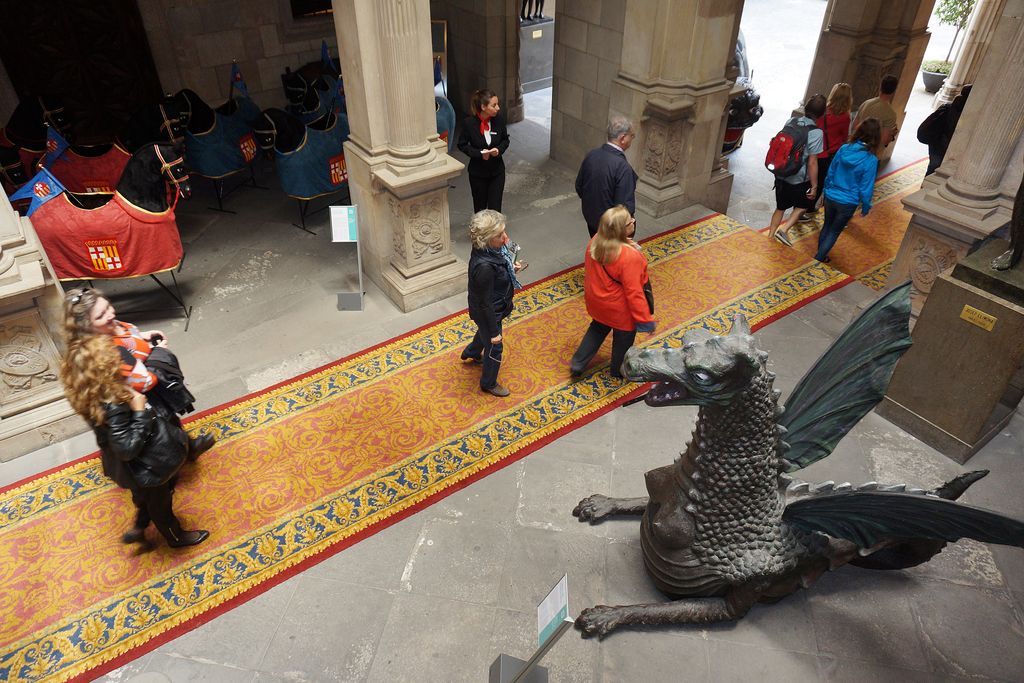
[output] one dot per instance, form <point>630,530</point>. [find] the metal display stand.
<point>552,621</point>
<point>218,187</point>
<point>345,228</point>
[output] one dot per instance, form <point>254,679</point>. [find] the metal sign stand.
<point>552,621</point>
<point>345,228</point>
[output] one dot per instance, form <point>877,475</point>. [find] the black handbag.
<point>162,456</point>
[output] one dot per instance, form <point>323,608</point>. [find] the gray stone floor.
<point>438,595</point>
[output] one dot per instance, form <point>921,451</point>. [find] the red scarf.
<point>485,124</point>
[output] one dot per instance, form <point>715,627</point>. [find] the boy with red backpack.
<point>792,158</point>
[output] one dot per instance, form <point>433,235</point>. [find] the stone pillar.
<point>675,96</point>
<point>398,167</point>
<point>33,411</point>
<point>978,35</point>
<point>971,195</point>
<point>483,51</point>
<point>861,42</point>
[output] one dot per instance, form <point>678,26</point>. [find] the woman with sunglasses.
<point>615,274</point>
<point>134,441</point>
<point>135,348</point>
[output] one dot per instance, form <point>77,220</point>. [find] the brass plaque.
<point>537,34</point>
<point>979,318</point>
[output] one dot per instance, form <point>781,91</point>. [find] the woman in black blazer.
<point>484,139</point>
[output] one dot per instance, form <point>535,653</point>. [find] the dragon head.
<point>707,370</point>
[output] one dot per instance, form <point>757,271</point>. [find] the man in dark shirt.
<point>606,178</point>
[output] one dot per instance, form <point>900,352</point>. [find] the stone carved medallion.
<point>425,224</point>
<point>418,230</point>
<point>928,259</point>
<point>28,363</point>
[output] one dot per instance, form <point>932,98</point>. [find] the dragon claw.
<point>593,508</point>
<point>597,621</point>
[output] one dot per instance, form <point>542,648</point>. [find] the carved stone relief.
<point>397,228</point>
<point>663,148</point>
<point>929,258</point>
<point>418,228</point>
<point>29,363</point>
<point>425,226</point>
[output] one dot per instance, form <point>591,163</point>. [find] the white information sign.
<point>553,610</point>
<point>344,224</point>
<point>345,228</point>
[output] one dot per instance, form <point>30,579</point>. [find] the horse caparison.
<point>26,127</point>
<point>154,174</point>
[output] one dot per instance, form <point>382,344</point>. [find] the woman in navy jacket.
<point>484,139</point>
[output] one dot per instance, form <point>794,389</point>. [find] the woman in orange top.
<point>615,272</point>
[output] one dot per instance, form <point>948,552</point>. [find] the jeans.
<point>481,347</point>
<point>592,340</point>
<point>836,217</point>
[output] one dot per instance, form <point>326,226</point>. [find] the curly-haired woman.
<point>125,426</point>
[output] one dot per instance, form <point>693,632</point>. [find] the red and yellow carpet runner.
<point>868,245</point>
<point>305,468</point>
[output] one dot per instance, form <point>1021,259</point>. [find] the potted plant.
<point>934,73</point>
<point>952,13</point>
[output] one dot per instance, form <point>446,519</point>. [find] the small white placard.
<point>344,224</point>
<point>553,610</point>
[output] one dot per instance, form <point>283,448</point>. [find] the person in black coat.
<point>606,178</point>
<point>484,139</point>
<point>125,425</point>
<point>492,280</point>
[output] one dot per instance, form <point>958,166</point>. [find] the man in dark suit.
<point>606,178</point>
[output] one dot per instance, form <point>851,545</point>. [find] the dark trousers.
<point>592,229</point>
<point>154,505</point>
<point>487,191</point>
<point>823,165</point>
<point>836,217</point>
<point>481,347</point>
<point>592,340</point>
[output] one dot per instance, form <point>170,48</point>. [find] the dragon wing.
<point>868,517</point>
<point>848,380</point>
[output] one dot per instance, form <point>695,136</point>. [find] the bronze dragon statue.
<point>726,526</point>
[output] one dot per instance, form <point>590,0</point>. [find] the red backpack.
<point>787,150</point>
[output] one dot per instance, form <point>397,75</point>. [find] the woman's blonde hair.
<point>90,368</point>
<point>611,234</point>
<point>840,99</point>
<point>484,226</point>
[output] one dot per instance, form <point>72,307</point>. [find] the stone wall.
<point>483,50</point>
<point>194,43</point>
<point>588,52</point>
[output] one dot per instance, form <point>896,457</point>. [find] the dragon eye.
<point>702,377</point>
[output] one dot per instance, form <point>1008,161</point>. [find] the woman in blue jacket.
<point>850,181</point>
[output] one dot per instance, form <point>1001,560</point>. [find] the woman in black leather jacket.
<point>125,428</point>
<point>492,280</point>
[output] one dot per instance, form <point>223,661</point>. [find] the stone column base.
<point>404,224</point>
